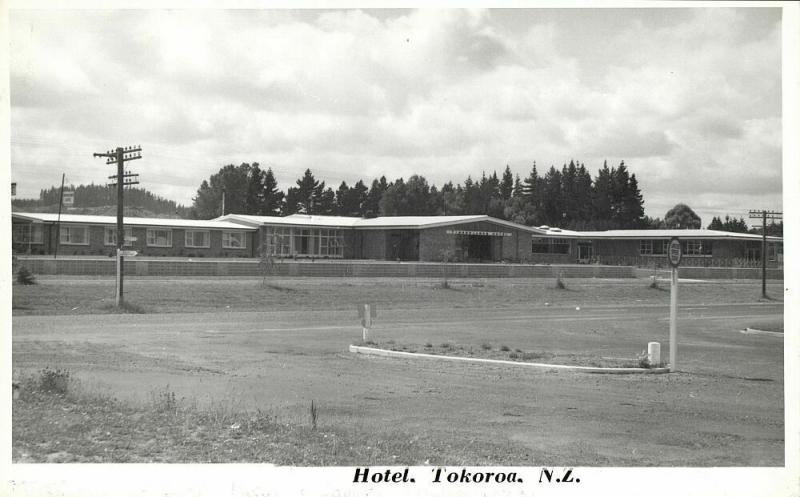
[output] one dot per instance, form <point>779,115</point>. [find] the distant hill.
<point>102,200</point>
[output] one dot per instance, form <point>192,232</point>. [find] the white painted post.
<point>119,273</point>
<point>654,353</point>
<point>366,322</point>
<point>673,318</point>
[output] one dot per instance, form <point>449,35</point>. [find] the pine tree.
<point>553,202</point>
<point>602,198</point>
<point>271,196</point>
<point>507,184</point>
<point>371,206</point>
<point>308,193</point>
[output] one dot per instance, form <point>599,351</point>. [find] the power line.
<point>764,215</point>
<point>123,179</point>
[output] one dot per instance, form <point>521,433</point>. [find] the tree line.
<point>88,197</point>
<point>567,197</point>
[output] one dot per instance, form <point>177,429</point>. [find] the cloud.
<point>689,98</point>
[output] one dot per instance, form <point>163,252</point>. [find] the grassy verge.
<point>96,296</point>
<point>58,424</point>
<point>505,353</point>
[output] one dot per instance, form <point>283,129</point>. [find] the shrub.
<point>445,345</point>
<point>513,355</point>
<point>428,345</point>
<point>643,361</point>
<point>505,348</point>
<point>486,346</point>
<point>54,380</point>
<point>527,356</point>
<point>25,277</point>
<point>165,400</point>
<point>559,282</point>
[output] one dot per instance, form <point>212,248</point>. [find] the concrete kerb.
<point>754,331</point>
<point>357,349</point>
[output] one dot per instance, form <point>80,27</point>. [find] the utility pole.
<point>58,221</point>
<point>764,215</point>
<point>123,179</point>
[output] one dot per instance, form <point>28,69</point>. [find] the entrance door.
<point>479,247</point>
<point>585,251</point>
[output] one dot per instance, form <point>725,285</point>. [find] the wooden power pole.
<point>764,215</point>
<point>123,179</point>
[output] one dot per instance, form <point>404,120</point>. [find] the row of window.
<point>156,237</point>
<point>550,246</point>
<point>660,247</point>
<point>311,242</point>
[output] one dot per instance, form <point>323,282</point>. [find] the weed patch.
<point>25,276</point>
<point>54,381</point>
<point>125,307</point>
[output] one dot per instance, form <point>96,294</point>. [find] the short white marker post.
<point>654,353</point>
<point>366,312</point>
<point>675,253</point>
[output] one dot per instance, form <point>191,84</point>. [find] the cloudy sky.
<point>689,98</point>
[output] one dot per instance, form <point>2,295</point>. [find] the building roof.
<point>293,220</point>
<point>247,222</point>
<point>383,222</point>
<point>669,233</point>
<point>434,222</point>
<point>47,217</point>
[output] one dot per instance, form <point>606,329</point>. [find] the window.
<point>28,233</point>
<point>197,239</point>
<point>159,237</point>
<point>697,247</point>
<point>234,239</point>
<point>74,235</point>
<point>312,242</point>
<point>653,247</point>
<point>550,246</point>
<point>278,241</point>
<point>331,243</point>
<point>110,236</point>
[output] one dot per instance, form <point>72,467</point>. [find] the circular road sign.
<point>674,252</point>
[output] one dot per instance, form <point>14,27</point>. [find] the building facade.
<point>402,238</point>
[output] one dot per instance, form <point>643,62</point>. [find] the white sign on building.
<point>69,198</point>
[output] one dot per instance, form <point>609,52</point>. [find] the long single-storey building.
<point>476,238</point>
<point>36,233</point>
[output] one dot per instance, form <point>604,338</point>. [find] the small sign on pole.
<point>128,253</point>
<point>675,253</point>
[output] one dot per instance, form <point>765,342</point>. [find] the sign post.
<point>675,253</point>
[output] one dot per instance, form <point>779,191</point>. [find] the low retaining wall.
<point>89,266</point>
<point>714,273</point>
<point>152,266</point>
